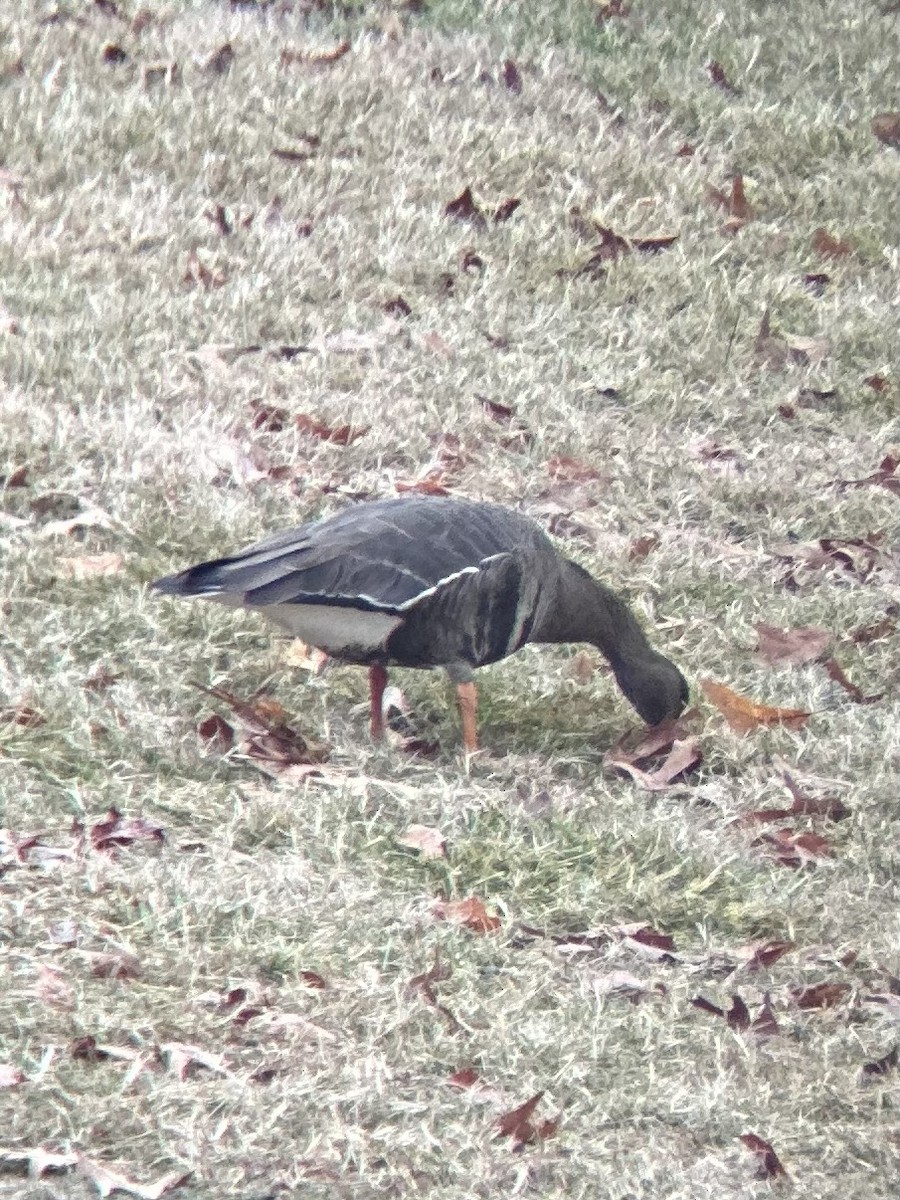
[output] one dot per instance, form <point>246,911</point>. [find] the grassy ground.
<point>122,302</point>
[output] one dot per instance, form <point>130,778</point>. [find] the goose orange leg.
<point>378,678</point>
<point>467,698</point>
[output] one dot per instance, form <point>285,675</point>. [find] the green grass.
<point>121,391</point>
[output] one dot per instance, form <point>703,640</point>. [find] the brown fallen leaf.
<point>643,546</point>
<point>432,484</point>
<point>820,995</point>
<point>769,1163</point>
<point>875,632</point>
<point>765,954</point>
<point>764,1023</point>
<point>22,715</point>
<point>565,469</point>
<point>117,830</point>
<point>828,245</point>
<point>885,476</point>
<point>776,350</point>
<point>315,58</point>
<point>817,282</point>
<point>743,714</point>
<point>734,201</point>
<point>856,694</point>
<point>511,76</point>
<point>717,74</point>
<point>426,839</point>
<point>854,557</point>
<point>17,478</point>
<point>397,307</point>
<point>312,979</point>
<point>267,739</point>
<point>683,757</point>
<point>881,1066</point>
<point>501,413</point>
<point>216,734</point>
<point>424,986</point>
<point>713,454</point>
<point>792,849</point>
<point>464,208</point>
<point>87,566</point>
<point>886,127</point>
<point>470,912</point>
<point>505,210</point>
<point>465,1077</point>
<point>198,274</point>
<point>220,61</point>
<point>268,418</point>
<point>737,1016</point>
<point>878,383</point>
<point>341,435</point>
<point>609,9</point>
<point>803,805</point>
<point>113,55</point>
<point>791,647</point>
<point>517,1124</point>
<point>114,964</point>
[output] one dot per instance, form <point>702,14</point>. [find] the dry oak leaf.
<point>341,435</point>
<point>219,62</point>
<point>717,74</point>
<point>828,245</point>
<point>464,208</point>
<point>734,201</point>
<point>881,1066</point>
<point>820,995</point>
<point>792,849</point>
<point>216,734</point>
<point>571,470</point>
<point>769,1162</point>
<point>836,672</point>
<point>198,274</point>
<point>511,76</point>
<point>737,1017</point>
<point>315,58</point>
<point>886,127</point>
<point>429,485</point>
<point>517,1124</point>
<point>470,912</point>
<point>791,647</point>
<point>117,830</point>
<point>885,476</point>
<point>86,566</point>
<point>684,755</point>
<point>743,714</point>
<point>430,842</point>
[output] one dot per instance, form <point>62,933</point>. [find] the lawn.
<point>242,284</point>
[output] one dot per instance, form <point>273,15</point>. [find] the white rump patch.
<point>331,627</point>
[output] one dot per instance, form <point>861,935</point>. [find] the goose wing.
<point>385,556</point>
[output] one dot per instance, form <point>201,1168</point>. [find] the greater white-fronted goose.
<point>434,582</point>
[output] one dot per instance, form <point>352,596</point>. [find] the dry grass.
<point>120,393</point>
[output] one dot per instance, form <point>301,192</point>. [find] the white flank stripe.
<point>437,587</point>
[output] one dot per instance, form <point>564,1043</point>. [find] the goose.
<point>428,581</point>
